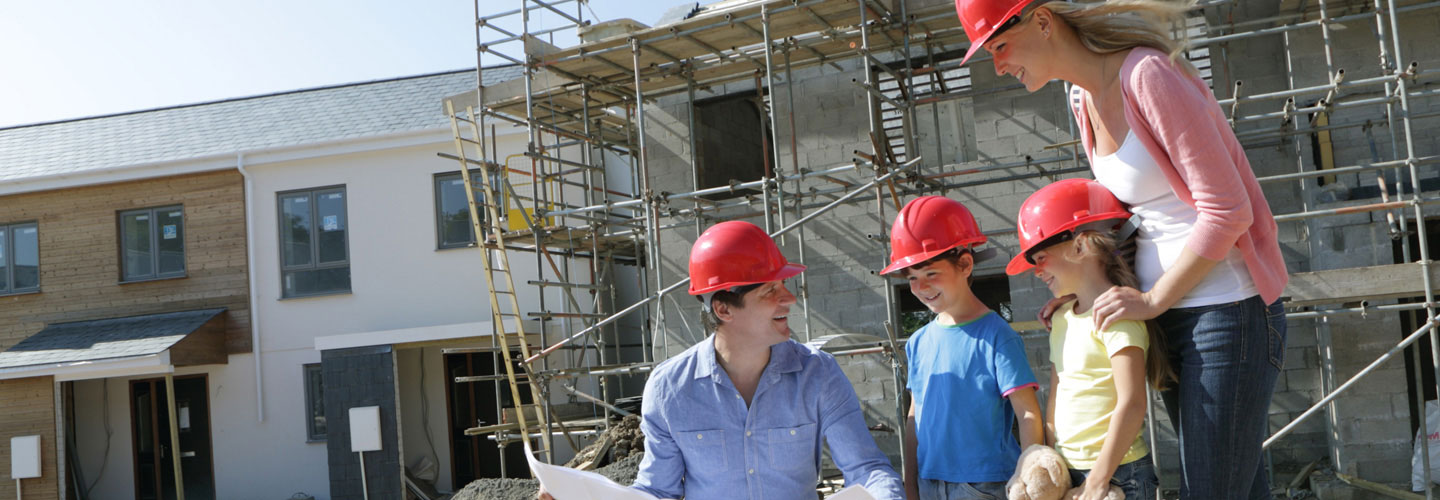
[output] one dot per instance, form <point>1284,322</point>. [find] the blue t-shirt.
<point>959,377</point>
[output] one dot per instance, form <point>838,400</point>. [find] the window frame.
<point>154,244</point>
<point>315,265</point>
<point>435,181</point>
<point>7,248</point>
<point>706,171</point>
<point>307,371</point>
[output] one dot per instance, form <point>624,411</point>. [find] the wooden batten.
<point>1355,284</point>
<point>204,346</point>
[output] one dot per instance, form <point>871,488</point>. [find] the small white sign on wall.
<point>24,457</point>
<point>365,428</point>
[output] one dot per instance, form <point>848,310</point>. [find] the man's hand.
<point>543,495</point>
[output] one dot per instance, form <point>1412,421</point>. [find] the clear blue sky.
<point>76,58</point>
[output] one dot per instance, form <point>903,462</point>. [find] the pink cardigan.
<point>1178,120</point>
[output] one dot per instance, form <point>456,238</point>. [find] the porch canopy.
<point>116,347</point>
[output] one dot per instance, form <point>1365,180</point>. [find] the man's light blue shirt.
<point>702,442</point>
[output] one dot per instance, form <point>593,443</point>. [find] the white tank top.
<point>1165,223</point>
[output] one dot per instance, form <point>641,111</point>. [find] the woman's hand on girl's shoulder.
<point>1121,303</point>
<point>1049,309</point>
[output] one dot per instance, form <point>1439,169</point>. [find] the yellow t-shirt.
<point>1086,397</point>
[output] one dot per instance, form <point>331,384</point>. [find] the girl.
<point>1098,396</point>
<point>1207,258</point>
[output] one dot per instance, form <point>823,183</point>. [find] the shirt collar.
<point>784,358</point>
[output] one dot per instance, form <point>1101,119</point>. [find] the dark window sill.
<point>147,280</point>
<point>314,295</point>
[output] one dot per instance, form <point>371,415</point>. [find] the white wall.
<point>412,433</point>
<point>243,448</point>
<point>105,460</point>
<point>399,280</point>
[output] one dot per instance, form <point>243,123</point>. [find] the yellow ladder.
<point>497,272</point>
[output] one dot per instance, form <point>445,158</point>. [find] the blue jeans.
<point>935,489</point>
<point>1227,357</point>
<point>1137,479</point>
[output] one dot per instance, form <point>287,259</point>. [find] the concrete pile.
<point>615,455</point>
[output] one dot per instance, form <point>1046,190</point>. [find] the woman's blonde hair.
<point>1116,25</point>
<point>1158,370</point>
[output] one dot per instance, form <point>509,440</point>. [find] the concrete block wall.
<point>1006,125</point>
<point>29,405</point>
<point>358,377</point>
<point>874,383</point>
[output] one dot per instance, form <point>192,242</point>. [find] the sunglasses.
<point>1008,24</point>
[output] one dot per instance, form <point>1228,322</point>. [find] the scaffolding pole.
<point>826,44</point>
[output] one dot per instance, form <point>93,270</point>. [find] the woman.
<point>1207,257</point>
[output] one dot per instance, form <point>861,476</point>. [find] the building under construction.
<point>566,185</point>
<point>818,119</point>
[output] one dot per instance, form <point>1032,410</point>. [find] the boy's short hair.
<point>952,256</point>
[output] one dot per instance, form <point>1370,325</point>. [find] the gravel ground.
<point>627,446</point>
<point>622,472</point>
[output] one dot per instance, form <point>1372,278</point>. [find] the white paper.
<point>856,492</point>
<point>565,483</point>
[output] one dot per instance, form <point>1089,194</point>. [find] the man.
<point>742,413</point>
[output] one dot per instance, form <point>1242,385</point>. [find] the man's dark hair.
<point>734,297</point>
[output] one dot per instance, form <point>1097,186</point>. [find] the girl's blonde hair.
<point>1115,25</point>
<point>1158,370</point>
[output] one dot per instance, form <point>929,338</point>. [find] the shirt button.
<point>699,436</point>
<point>752,471</point>
<point>792,432</point>
<point>747,433</point>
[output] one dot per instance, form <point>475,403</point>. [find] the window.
<point>992,290</point>
<point>152,243</point>
<point>452,210</point>
<point>19,258</point>
<point>314,253</point>
<point>314,403</point>
<point>733,143</point>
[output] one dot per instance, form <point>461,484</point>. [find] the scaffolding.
<point>583,109</point>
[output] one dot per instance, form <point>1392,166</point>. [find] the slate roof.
<point>234,125</point>
<point>105,338</point>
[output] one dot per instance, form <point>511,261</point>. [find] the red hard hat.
<point>736,253</point>
<point>1058,208</point>
<point>982,17</point>
<point>928,226</point>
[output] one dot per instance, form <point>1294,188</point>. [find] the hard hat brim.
<point>1018,265</point>
<point>990,30</point>
<point>915,259</point>
<point>788,270</point>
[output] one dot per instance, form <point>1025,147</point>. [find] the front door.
<point>154,455</point>
<point>474,404</point>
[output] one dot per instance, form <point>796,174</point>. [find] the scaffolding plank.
<point>1358,283</point>
<point>599,59</point>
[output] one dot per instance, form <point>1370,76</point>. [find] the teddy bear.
<point>1042,474</point>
